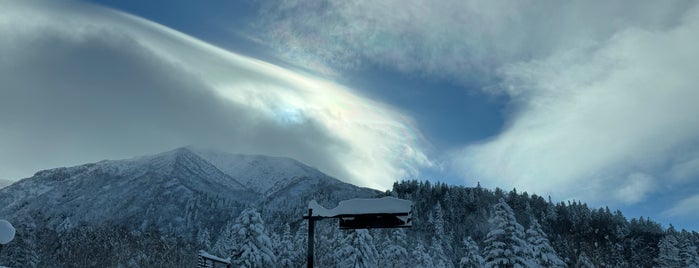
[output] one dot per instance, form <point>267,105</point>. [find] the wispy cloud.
<point>602,95</point>
<point>589,120</point>
<point>81,83</point>
<point>452,39</point>
<point>686,207</point>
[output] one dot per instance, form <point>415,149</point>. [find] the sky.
<point>577,100</point>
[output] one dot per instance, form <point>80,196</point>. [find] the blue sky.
<point>575,100</point>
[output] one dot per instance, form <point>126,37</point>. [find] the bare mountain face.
<point>180,191</point>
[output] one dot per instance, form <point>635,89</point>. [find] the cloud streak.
<point>602,96</point>
<point>81,83</point>
<point>605,122</point>
<point>464,41</point>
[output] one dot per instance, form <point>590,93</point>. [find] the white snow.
<point>260,173</point>
<point>215,258</point>
<point>363,206</point>
<point>7,232</point>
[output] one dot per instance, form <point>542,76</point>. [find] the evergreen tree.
<point>357,250</point>
<point>22,251</point>
<point>225,244</point>
<point>393,253</point>
<point>473,256</point>
<point>252,244</point>
<point>204,239</point>
<point>505,245</point>
<point>301,244</point>
<point>542,252</point>
<point>441,244</point>
<point>584,261</point>
<point>422,259</point>
<point>438,255</point>
<point>688,251</point>
<point>668,252</point>
<point>285,248</point>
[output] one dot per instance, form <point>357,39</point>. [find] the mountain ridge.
<point>167,185</point>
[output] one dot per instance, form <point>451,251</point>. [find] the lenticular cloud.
<point>118,85</point>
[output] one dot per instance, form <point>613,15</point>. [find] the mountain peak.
<point>258,172</point>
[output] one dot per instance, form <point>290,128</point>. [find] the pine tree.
<point>301,244</point>
<point>225,244</point>
<point>422,259</point>
<point>393,253</point>
<point>688,251</point>
<point>438,255</point>
<point>584,261</point>
<point>440,241</point>
<point>668,252</point>
<point>22,251</point>
<point>542,252</point>
<point>204,239</point>
<point>357,250</point>
<point>252,244</point>
<point>473,256</point>
<point>285,249</point>
<point>505,245</point>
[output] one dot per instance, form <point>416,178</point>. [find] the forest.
<point>453,226</point>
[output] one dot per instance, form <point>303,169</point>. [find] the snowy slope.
<point>260,173</point>
<point>139,191</point>
<point>174,190</point>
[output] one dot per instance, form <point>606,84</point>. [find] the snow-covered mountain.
<point>181,190</point>
<point>160,210</point>
<point>257,172</point>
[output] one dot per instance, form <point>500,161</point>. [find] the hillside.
<point>160,210</point>
<point>175,194</point>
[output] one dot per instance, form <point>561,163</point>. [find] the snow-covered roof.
<point>363,206</point>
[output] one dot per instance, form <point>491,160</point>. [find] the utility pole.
<point>311,227</point>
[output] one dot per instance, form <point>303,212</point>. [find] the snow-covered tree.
<point>438,255</point>
<point>584,261</point>
<point>300,242</point>
<point>285,248</point>
<point>668,252</point>
<point>688,251</point>
<point>357,250</point>
<point>21,252</point>
<point>393,252</point>
<point>441,244</point>
<point>225,244</point>
<point>253,248</point>
<point>204,239</point>
<point>542,252</point>
<point>505,245</point>
<point>473,256</point>
<point>421,257</point>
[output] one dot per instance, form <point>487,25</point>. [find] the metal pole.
<point>309,252</point>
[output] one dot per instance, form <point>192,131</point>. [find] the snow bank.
<point>363,206</point>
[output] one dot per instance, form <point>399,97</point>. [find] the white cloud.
<point>600,92</point>
<point>686,207</point>
<point>81,83</point>
<point>453,39</point>
<point>637,187</point>
<point>685,170</point>
<point>589,118</point>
